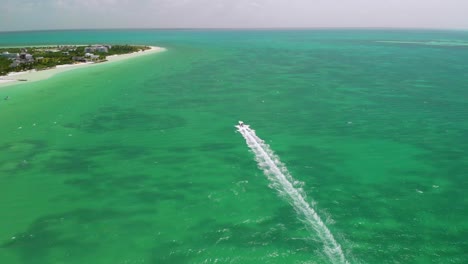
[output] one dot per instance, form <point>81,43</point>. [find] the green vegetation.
<point>4,66</point>
<point>49,57</point>
<point>123,49</point>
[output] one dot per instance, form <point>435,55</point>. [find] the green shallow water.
<point>138,161</point>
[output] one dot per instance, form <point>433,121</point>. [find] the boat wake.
<point>284,183</point>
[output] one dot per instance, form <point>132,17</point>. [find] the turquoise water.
<point>138,161</point>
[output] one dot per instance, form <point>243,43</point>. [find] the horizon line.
<point>238,28</point>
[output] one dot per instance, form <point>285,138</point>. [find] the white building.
<point>8,55</point>
<point>97,48</point>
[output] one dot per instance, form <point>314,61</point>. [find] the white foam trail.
<point>284,183</point>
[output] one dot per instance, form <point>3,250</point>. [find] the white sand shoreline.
<point>33,75</point>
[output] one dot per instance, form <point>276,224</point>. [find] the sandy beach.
<point>33,75</point>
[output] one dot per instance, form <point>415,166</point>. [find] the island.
<point>41,58</point>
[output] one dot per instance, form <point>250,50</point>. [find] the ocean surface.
<point>138,161</point>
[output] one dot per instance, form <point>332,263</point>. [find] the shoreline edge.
<point>33,75</point>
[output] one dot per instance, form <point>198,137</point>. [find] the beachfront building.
<point>10,56</point>
<point>102,49</point>
<point>26,57</point>
<point>79,59</point>
<point>98,48</point>
<point>91,56</point>
<point>51,50</point>
<point>18,59</point>
<point>15,63</point>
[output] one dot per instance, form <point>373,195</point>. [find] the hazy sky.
<point>75,14</point>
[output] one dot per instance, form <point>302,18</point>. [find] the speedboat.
<point>241,126</point>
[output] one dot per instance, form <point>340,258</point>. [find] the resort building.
<point>8,55</point>
<point>98,48</point>
<point>18,59</point>
<point>79,59</point>
<point>91,56</point>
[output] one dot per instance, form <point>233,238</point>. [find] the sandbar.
<point>428,43</point>
<point>33,75</point>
